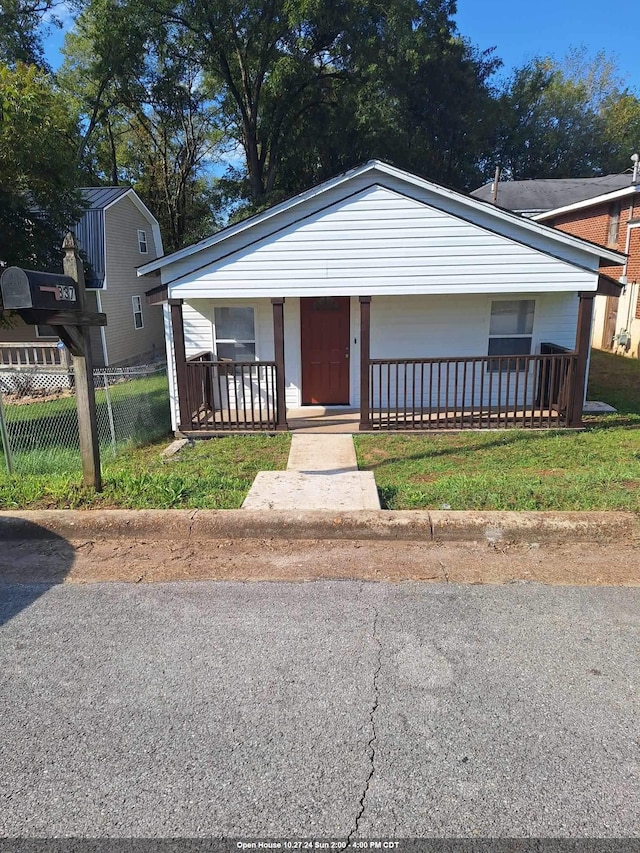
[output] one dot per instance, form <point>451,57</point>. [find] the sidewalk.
<point>322,474</point>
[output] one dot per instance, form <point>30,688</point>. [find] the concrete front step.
<point>322,454</point>
<point>277,490</point>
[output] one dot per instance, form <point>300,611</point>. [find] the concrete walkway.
<point>322,474</point>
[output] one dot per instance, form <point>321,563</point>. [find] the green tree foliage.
<point>20,35</point>
<point>307,87</point>
<point>569,118</point>
<point>416,95</point>
<point>146,120</point>
<point>38,170</point>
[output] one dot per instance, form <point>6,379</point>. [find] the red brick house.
<point>603,210</point>
<point>612,220</point>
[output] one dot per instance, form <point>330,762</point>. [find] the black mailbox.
<point>30,289</point>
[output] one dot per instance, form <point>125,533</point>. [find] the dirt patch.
<point>43,396</point>
<point>146,561</point>
<point>374,455</point>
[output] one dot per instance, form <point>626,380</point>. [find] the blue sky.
<point>521,30</point>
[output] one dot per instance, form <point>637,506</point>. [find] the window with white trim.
<point>510,331</point>
<point>235,336</point>
<point>138,319</point>
<point>142,242</point>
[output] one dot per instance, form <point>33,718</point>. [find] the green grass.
<point>213,474</point>
<point>44,434</point>
<point>503,470</point>
<point>519,470</point>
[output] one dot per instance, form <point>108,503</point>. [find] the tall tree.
<point>20,30</point>
<point>268,59</point>
<point>568,118</point>
<point>38,170</point>
<point>146,120</point>
<point>308,86</point>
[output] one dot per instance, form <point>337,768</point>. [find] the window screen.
<point>510,331</point>
<point>235,334</point>
<point>45,332</point>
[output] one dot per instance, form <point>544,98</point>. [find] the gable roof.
<point>538,196</point>
<point>605,198</point>
<point>90,229</point>
<point>246,232</point>
<point>97,198</point>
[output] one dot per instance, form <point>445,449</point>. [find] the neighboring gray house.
<point>117,233</point>
<point>530,198</point>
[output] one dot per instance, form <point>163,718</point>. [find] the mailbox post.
<point>83,371</point>
<point>59,301</point>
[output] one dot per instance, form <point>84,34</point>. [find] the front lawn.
<point>520,470</point>
<point>215,474</point>
<point>43,432</point>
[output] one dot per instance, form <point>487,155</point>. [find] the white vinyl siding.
<point>125,345</point>
<point>401,327</point>
<point>380,242</point>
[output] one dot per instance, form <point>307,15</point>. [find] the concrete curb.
<point>556,528</point>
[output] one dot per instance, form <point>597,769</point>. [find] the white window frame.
<point>142,241</point>
<point>528,335</point>
<point>137,310</point>
<point>217,340</point>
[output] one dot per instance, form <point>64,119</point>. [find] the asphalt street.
<point>334,709</point>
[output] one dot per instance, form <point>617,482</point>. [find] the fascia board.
<point>189,292</point>
<point>585,203</point>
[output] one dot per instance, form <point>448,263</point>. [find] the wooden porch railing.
<point>532,391</point>
<point>230,396</point>
<point>30,355</point>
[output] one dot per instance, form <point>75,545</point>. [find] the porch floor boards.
<point>317,419</point>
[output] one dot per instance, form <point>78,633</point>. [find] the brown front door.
<point>324,330</point>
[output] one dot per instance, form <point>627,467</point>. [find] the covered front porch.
<point>539,389</point>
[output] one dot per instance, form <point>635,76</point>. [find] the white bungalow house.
<point>382,293</point>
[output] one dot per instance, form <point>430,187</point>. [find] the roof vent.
<point>635,159</point>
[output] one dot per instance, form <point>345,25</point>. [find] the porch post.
<point>365,355</point>
<point>180,355</point>
<point>583,343</point>
<point>277,304</point>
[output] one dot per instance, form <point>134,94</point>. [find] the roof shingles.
<point>539,196</point>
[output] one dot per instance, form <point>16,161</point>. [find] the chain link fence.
<point>39,421</point>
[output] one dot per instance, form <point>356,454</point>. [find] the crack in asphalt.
<point>372,740</point>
